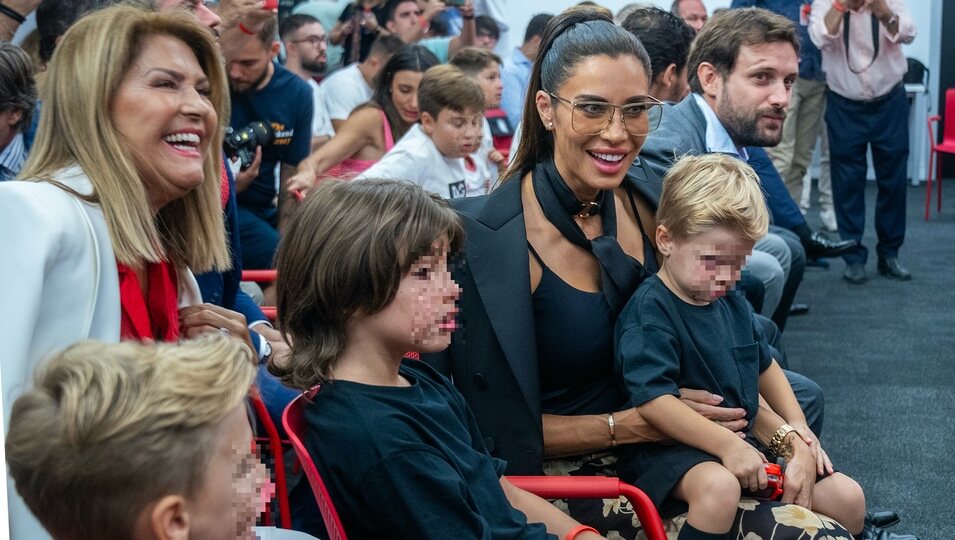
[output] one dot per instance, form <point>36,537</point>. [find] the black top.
<point>574,347</point>
<point>575,341</point>
<point>409,462</point>
<point>664,344</point>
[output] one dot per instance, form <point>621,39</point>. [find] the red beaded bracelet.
<point>579,529</point>
<point>839,6</point>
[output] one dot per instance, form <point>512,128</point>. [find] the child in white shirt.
<point>440,153</point>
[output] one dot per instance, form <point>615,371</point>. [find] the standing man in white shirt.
<point>305,45</point>
<point>866,105</point>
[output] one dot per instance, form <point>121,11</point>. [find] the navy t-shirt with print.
<point>286,103</point>
<point>409,462</point>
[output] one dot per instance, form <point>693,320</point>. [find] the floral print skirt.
<point>756,519</point>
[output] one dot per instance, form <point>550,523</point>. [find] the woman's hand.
<point>707,405</point>
<point>201,319</point>
<point>303,180</point>
<point>747,464</point>
<point>800,477</point>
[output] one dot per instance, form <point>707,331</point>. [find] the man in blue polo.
<point>263,91</point>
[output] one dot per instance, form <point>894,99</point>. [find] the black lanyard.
<point>875,42</point>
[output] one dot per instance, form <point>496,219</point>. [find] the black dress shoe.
<point>891,268</point>
<point>817,245</point>
<point>875,533</point>
<point>798,309</point>
<point>882,518</point>
<point>854,273</point>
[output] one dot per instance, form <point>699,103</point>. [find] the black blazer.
<point>492,359</point>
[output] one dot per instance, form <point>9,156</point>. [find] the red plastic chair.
<point>947,146</point>
<point>548,487</point>
<point>274,445</point>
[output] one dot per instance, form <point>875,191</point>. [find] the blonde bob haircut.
<point>712,190</point>
<point>108,429</point>
<point>343,255</point>
<point>76,128</point>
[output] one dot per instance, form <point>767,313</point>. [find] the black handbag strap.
<point>875,41</point>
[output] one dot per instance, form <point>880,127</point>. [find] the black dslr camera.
<point>241,143</point>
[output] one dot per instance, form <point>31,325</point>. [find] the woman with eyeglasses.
<point>551,256</point>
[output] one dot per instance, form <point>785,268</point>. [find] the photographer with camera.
<point>271,121</point>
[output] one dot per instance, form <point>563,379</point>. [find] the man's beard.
<point>254,85</point>
<point>316,68</point>
<point>743,126</point>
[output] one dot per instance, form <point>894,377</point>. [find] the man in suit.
<point>740,73</point>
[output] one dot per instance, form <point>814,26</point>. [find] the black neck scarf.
<point>620,274</point>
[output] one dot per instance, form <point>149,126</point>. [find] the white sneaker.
<point>828,217</point>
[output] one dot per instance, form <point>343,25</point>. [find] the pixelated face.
<point>404,21</point>
<point>234,486</point>
<point>248,64</point>
<point>490,80</point>
<point>693,12</point>
<point>595,162</point>
<point>421,316</point>
<point>754,97</point>
<point>456,133</point>
<point>704,267</point>
<point>404,94</point>
<point>162,111</point>
<point>206,16</point>
<point>310,44</point>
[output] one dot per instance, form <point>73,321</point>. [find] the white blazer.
<point>59,285</point>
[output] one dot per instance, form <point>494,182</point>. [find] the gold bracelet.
<point>777,440</point>
<point>613,432</point>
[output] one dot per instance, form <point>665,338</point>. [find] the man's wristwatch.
<point>266,349</point>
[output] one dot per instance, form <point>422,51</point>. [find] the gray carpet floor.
<point>884,353</point>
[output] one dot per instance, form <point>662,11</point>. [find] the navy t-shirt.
<point>409,462</point>
<point>664,344</point>
<point>286,103</point>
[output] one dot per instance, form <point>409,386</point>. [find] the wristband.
<point>839,6</point>
<point>613,433</point>
<point>9,12</point>
<point>467,18</point>
<point>245,29</point>
<point>579,529</point>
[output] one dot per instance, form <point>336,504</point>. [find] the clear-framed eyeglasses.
<point>593,117</point>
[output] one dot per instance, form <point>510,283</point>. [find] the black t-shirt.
<point>285,102</point>
<point>664,344</point>
<point>409,462</point>
<point>367,36</point>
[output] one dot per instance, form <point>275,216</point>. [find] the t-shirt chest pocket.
<point>747,364</point>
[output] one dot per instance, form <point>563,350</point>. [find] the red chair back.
<point>273,444</point>
<point>294,421</point>
<point>948,133</point>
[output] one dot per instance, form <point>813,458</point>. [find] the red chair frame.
<point>275,444</point>
<point>262,276</point>
<point>548,487</point>
<point>936,149</point>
